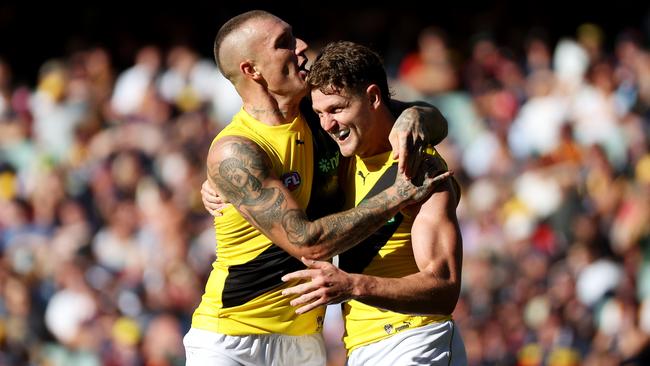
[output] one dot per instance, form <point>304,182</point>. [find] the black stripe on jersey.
<point>355,260</point>
<point>248,280</point>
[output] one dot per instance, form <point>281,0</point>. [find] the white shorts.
<point>432,344</point>
<point>205,348</point>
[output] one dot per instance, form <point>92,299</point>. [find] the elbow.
<point>449,305</point>
<point>444,296</point>
<point>451,298</point>
<point>313,246</point>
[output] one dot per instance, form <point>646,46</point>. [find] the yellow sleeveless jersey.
<point>243,293</point>
<point>386,253</point>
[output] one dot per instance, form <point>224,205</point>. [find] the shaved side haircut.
<point>229,27</point>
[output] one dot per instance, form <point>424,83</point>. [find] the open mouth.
<point>341,135</point>
<point>302,69</point>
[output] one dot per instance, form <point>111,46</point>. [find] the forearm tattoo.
<point>240,178</point>
<point>345,229</point>
<point>405,121</point>
<point>295,223</point>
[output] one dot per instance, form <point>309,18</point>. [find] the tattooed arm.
<point>241,172</point>
<point>434,289</point>
<point>417,124</point>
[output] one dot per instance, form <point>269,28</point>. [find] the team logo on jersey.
<point>388,328</point>
<point>360,173</point>
<point>291,180</point>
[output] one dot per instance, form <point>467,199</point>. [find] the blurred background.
<point>107,112</point>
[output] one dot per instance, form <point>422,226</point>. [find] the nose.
<point>328,123</point>
<point>301,46</point>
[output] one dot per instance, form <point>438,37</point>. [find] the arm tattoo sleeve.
<point>240,177</point>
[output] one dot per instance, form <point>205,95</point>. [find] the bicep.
<point>242,173</point>
<point>435,234</point>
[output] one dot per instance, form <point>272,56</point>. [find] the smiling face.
<point>278,56</point>
<point>349,92</point>
<point>351,121</point>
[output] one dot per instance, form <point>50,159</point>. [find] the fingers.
<point>308,293</point>
<point>307,262</point>
<point>214,208</point>
<point>311,294</point>
<point>315,268</point>
<point>409,150</point>
<point>313,305</point>
<point>399,142</point>
<point>210,195</point>
<point>218,211</point>
<point>297,275</point>
<point>301,289</point>
<point>310,263</point>
<point>207,187</point>
<point>212,202</point>
<point>438,178</point>
<point>394,143</point>
<point>419,156</point>
<point>443,176</point>
<point>402,152</point>
<point>211,198</point>
<point>308,297</point>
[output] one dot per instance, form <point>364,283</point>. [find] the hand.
<point>328,285</point>
<point>421,186</point>
<point>416,127</point>
<point>212,202</point>
<point>407,134</point>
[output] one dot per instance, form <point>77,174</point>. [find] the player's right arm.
<point>242,174</point>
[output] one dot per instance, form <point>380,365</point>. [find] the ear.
<point>374,95</point>
<point>248,69</point>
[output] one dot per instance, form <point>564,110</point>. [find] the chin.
<point>303,89</point>
<point>346,152</point>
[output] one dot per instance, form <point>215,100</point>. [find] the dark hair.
<point>233,24</point>
<point>351,66</point>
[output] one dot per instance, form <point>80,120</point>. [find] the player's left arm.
<point>434,289</point>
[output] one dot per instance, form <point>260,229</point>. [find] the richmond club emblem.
<point>291,180</point>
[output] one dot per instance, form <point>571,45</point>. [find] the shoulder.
<point>237,147</point>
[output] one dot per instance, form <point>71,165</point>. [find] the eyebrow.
<point>333,106</point>
<point>287,32</point>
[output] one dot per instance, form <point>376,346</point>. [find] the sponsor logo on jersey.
<point>405,325</point>
<point>329,164</point>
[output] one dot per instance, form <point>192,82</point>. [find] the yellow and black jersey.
<point>386,253</point>
<point>243,292</point>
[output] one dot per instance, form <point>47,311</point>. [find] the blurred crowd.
<point>552,151</point>
<point>105,246</point>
